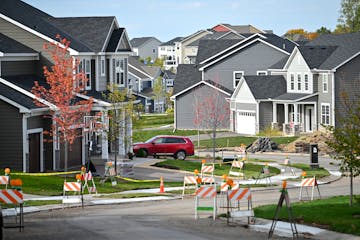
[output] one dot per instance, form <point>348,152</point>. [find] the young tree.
<point>345,140</point>
<point>349,20</point>
<point>159,91</point>
<point>64,85</point>
<point>210,112</point>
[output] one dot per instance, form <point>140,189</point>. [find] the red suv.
<point>176,146</point>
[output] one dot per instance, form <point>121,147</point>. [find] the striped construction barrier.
<point>188,180</point>
<point>239,165</point>
<point>205,192</point>
<point>208,180</point>
<point>306,183</point>
<point>88,177</point>
<point>225,187</point>
<point>72,187</point>
<point>16,197</point>
<point>207,168</point>
<point>4,180</point>
<point>239,195</point>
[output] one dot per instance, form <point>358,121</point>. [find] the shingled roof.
<point>187,75</point>
<point>265,87</point>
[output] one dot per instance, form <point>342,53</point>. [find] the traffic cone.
<point>162,185</point>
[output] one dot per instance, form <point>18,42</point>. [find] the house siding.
<point>265,115</point>
<point>258,56</point>
<point>347,79</point>
<point>11,145</point>
<point>185,107</point>
<point>146,50</point>
<point>11,68</point>
<point>324,97</point>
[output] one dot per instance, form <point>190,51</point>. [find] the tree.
<point>159,91</point>
<point>210,112</point>
<point>64,85</point>
<point>349,20</point>
<point>345,140</point>
<point>120,116</point>
<point>323,30</point>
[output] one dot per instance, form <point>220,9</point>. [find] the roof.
<point>169,74</point>
<point>280,64</point>
<point>208,48</point>
<point>141,70</point>
<point>86,34</point>
<point>213,36</point>
<point>114,40</point>
<point>137,73</point>
<point>316,55</point>
<point>243,28</point>
<point>265,87</point>
<point>187,75</point>
<point>172,41</point>
<point>137,42</point>
<point>292,96</point>
<point>215,84</point>
<point>348,44</point>
<point>9,45</point>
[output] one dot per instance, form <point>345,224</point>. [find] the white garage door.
<point>246,122</point>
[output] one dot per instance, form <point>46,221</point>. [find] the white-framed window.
<point>237,75</point>
<point>85,66</point>
<point>325,82</point>
<point>292,81</point>
<point>261,73</point>
<point>306,82</point>
<point>325,113</point>
<point>299,82</point>
<point>102,66</point>
<point>119,72</point>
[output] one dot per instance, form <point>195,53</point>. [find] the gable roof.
<point>115,39</point>
<point>265,87</point>
<point>217,36</point>
<point>9,45</point>
<point>348,46</point>
<point>187,75</point>
<point>172,41</point>
<point>208,48</point>
<point>141,70</point>
<point>243,28</point>
<point>316,55</point>
<point>168,74</point>
<point>137,42</point>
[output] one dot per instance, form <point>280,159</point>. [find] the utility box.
<point>314,156</point>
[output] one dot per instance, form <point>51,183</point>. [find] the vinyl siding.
<point>12,68</point>
<point>258,56</point>
<point>265,115</point>
<point>185,108</point>
<point>11,143</point>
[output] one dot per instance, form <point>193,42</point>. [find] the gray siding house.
<point>103,49</point>
<point>225,62</point>
<point>314,77</point>
<point>145,47</point>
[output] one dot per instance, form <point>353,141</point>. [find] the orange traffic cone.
<point>162,185</point>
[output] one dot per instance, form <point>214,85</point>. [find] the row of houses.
<point>268,81</point>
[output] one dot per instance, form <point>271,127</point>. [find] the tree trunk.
<point>351,187</point>
<point>66,156</point>
<point>214,144</point>
<point>198,138</point>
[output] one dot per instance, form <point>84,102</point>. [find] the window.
<point>85,66</point>
<point>325,113</point>
<point>325,82</point>
<point>119,72</point>
<point>299,82</point>
<point>261,73</point>
<point>306,78</point>
<point>153,50</point>
<point>102,66</point>
<point>237,76</point>
<point>292,81</point>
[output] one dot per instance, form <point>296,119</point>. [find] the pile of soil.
<point>302,144</point>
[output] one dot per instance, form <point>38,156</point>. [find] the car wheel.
<point>145,153</point>
<point>181,155</point>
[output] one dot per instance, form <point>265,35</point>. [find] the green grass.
<point>250,170</point>
<point>153,120</point>
<point>333,213</point>
<point>310,172</point>
<point>53,185</point>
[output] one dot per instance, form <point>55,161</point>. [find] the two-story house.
<point>304,91</point>
<point>220,65</point>
<point>103,49</point>
<point>145,47</point>
<point>166,51</point>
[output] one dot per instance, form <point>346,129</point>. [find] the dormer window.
<point>299,82</point>
<point>237,76</point>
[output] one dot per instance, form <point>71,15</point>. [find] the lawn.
<point>53,185</point>
<point>250,170</point>
<point>310,172</point>
<point>153,120</point>
<point>334,214</point>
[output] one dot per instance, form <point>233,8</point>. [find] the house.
<point>306,94</point>
<point>141,82</point>
<point>145,47</point>
<point>224,62</point>
<point>166,51</point>
<point>102,47</point>
<point>249,29</point>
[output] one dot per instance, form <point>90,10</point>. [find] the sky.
<point>167,19</point>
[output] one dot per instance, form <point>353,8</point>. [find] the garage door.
<point>246,122</point>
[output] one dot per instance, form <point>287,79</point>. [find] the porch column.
<point>286,108</point>
<point>104,140</point>
<point>274,112</point>
<point>316,118</point>
<point>296,119</point>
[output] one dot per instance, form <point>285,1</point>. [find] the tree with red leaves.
<point>64,85</point>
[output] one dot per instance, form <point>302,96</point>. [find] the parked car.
<point>177,146</point>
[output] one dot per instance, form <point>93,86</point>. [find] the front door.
<point>309,118</point>
<point>34,152</point>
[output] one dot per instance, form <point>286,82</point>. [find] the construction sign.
<point>205,192</point>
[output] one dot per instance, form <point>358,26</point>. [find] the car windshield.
<point>150,140</point>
